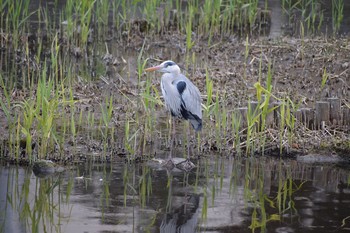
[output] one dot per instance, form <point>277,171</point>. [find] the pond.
<point>220,195</point>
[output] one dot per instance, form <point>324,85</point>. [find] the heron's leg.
<point>169,164</point>
<point>173,137</point>
<point>188,141</point>
<point>187,165</point>
<point>186,193</point>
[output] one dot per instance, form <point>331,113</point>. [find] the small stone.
<point>169,164</point>
<point>43,168</point>
<point>345,65</point>
<point>186,165</point>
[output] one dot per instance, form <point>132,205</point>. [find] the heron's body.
<point>182,98</point>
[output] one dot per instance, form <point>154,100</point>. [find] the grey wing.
<point>192,98</point>
<point>171,97</point>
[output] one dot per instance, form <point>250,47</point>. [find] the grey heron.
<point>182,98</point>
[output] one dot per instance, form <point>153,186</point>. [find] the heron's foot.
<point>186,165</point>
<point>169,164</point>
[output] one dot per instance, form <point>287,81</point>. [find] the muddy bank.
<point>303,71</point>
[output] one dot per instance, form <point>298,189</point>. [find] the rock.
<point>185,165</point>
<point>179,163</point>
<point>43,168</point>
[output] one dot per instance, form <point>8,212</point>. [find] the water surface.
<point>220,195</point>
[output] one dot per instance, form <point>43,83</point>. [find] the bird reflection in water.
<point>181,216</point>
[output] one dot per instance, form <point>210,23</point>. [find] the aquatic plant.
<point>107,114</point>
<point>209,91</point>
<point>150,11</point>
<point>314,15</point>
<point>265,106</point>
<point>145,185</point>
<point>7,106</point>
<point>337,14</point>
<point>311,14</point>
<point>189,41</point>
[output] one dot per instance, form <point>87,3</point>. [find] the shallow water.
<point>222,195</point>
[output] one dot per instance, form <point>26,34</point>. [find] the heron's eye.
<point>169,64</point>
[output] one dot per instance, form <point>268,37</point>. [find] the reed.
<point>312,14</point>
<point>169,186</point>
<point>224,127</point>
<point>145,186</point>
<point>26,129</point>
<point>36,117</point>
<point>337,14</point>
<point>236,122</point>
<point>11,127</point>
<point>265,106</point>
<point>206,17</point>
<point>215,19</point>
<point>70,23</point>
<point>252,13</point>
<point>209,90</point>
<point>46,113</point>
<point>189,42</point>
<point>204,214</point>
<point>150,11</point>
<point>141,63</point>
<point>107,113</point>
<point>252,120</point>
<point>217,117</point>
<point>102,14</point>
<point>126,137</point>
<point>324,78</point>
<point>6,105</point>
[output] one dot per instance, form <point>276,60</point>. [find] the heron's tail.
<point>196,123</point>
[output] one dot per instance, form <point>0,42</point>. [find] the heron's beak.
<point>154,68</point>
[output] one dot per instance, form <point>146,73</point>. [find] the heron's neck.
<point>168,78</point>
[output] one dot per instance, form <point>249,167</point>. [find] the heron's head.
<point>166,67</point>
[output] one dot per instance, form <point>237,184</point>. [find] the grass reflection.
<point>250,194</point>
<point>261,189</point>
<point>37,202</point>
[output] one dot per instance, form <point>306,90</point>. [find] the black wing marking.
<point>183,110</point>
<point>172,113</point>
<point>181,86</point>
<point>196,122</point>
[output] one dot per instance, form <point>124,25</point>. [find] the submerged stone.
<point>43,168</point>
<point>185,165</point>
<point>170,164</point>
